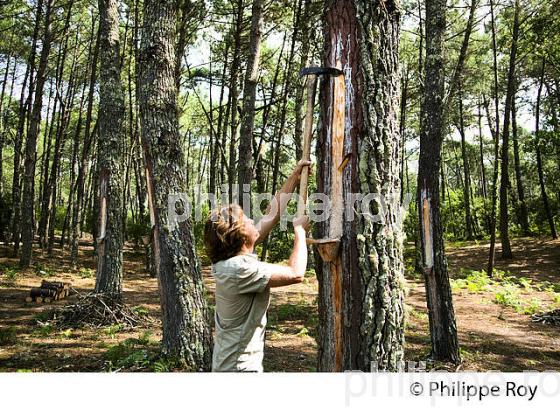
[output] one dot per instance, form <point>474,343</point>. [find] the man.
<point>243,282</point>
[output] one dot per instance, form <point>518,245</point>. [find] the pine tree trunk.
<point>245,167</point>
<point>234,94</point>
<point>304,62</point>
<point>467,175</point>
<point>22,115</point>
<point>360,293</point>
<point>504,181</point>
<point>496,135</point>
<point>2,93</point>
<point>483,186</point>
<point>186,334</point>
<point>77,211</point>
<point>443,330</point>
<point>540,171</point>
<point>110,154</point>
<point>28,199</point>
<point>523,211</point>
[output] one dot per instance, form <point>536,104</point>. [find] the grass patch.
<point>44,330</point>
<point>112,330</point>
<point>138,354</point>
<point>473,281</point>
<point>140,310</point>
<point>8,336</point>
<point>509,296</point>
<point>509,291</point>
<point>9,272</point>
<point>86,273</point>
<point>44,271</point>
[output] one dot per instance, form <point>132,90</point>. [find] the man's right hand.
<point>302,223</point>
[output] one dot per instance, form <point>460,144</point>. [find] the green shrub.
<point>86,273</point>
<point>132,352</point>
<point>9,272</point>
<point>509,296</point>
<point>474,281</point>
<point>533,307</point>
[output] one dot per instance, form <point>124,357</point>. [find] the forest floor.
<point>493,315</point>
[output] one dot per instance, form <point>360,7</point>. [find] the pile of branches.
<point>549,318</point>
<point>97,310</point>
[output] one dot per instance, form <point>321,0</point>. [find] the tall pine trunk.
<point>523,211</point>
<point>245,167</point>
<point>443,330</point>
<point>544,195</point>
<point>110,154</point>
<point>504,181</point>
<point>28,199</point>
<point>361,312</point>
<point>186,334</point>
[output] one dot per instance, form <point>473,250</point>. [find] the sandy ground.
<point>492,337</point>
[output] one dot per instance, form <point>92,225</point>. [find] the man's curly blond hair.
<point>224,232</point>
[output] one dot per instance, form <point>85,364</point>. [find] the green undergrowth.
<point>508,290</point>
<point>137,354</point>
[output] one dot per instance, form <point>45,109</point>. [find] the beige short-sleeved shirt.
<point>242,299</point>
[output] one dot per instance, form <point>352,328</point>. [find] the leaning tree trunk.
<point>110,154</point>
<point>28,199</point>
<point>186,334</point>
<point>360,293</point>
<point>443,330</point>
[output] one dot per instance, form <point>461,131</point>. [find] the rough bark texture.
<point>540,171</point>
<point>28,202</point>
<point>443,330</point>
<point>522,204</point>
<point>78,207</point>
<point>23,107</point>
<point>496,135</point>
<point>186,334</point>
<point>110,154</point>
<point>245,167</point>
<point>504,181</point>
<point>467,175</point>
<point>361,37</point>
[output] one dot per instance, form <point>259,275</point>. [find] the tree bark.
<point>523,211</point>
<point>77,210</point>
<point>110,154</point>
<point>245,167</point>
<point>443,330</point>
<point>467,175</point>
<point>186,334</point>
<point>496,135</point>
<point>28,199</point>
<point>540,171</point>
<point>367,327</point>
<point>234,94</point>
<point>504,181</point>
<point>22,115</point>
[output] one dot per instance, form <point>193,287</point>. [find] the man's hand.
<point>299,168</point>
<point>302,224</point>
